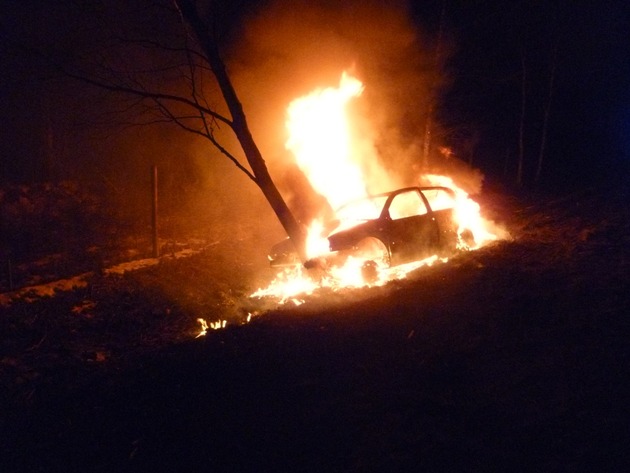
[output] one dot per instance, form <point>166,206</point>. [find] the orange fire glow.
<point>219,324</point>
<point>320,139</point>
<point>325,148</point>
<point>467,213</point>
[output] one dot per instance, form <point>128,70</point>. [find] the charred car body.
<point>388,229</point>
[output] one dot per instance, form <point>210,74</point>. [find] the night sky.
<point>47,132</point>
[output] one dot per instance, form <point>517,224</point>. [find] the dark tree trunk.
<point>545,127</point>
<point>294,229</point>
<point>521,133</point>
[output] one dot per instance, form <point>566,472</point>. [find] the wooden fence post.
<point>154,219</point>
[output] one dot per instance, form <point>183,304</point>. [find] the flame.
<point>288,284</point>
<point>320,139</point>
<point>327,150</point>
<point>219,324</point>
<point>293,284</point>
<point>467,214</point>
<point>204,327</point>
<point>316,242</point>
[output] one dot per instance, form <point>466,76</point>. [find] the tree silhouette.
<point>197,69</point>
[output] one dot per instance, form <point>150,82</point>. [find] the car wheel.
<point>375,254</point>
<point>369,272</point>
<point>372,248</point>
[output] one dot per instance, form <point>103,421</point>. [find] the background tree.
<point>522,124</point>
<point>179,77</point>
<point>574,82</point>
<point>546,115</point>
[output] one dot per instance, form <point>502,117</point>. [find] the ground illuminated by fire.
<point>342,167</point>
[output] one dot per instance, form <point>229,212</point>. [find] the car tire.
<point>370,272</point>
<point>373,249</point>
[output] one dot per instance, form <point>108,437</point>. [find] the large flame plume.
<point>326,149</point>
<point>320,139</point>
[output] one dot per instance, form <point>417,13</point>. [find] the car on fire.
<point>387,229</point>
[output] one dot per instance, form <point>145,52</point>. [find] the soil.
<point>513,357</point>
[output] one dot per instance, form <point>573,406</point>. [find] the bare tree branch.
<point>139,92</point>
<point>207,134</point>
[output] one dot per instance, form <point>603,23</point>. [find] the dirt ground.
<point>511,358</point>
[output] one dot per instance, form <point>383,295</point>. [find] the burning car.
<point>387,229</point>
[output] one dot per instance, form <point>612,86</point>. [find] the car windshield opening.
<point>364,209</point>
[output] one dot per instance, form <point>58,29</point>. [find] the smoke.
<point>295,46</point>
<point>285,51</point>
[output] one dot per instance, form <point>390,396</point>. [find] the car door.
<point>412,230</point>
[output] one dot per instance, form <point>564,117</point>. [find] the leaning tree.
<point>183,89</point>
